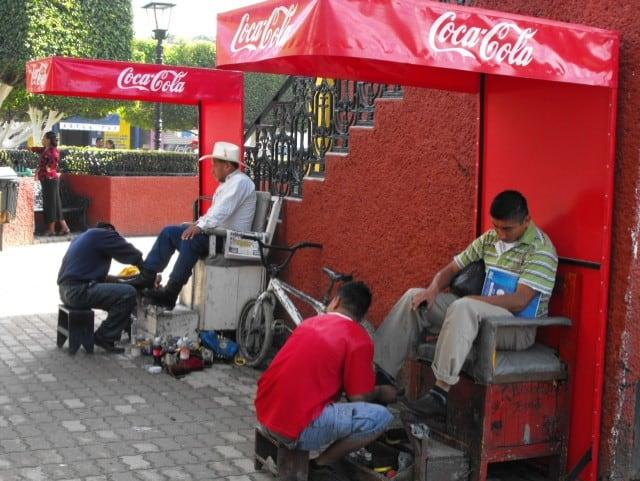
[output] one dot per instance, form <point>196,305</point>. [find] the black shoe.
<point>428,406</point>
<point>164,296</point>
<point>108,346</point>
<point>145,280</point>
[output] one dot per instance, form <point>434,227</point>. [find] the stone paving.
<point>102,417</point>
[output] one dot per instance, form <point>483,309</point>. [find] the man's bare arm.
<point>440,281</point>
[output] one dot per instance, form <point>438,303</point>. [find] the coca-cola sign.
<point>503,42</point>
<point>273,31</point>
<point>39,75</point>
<point>166,81</point>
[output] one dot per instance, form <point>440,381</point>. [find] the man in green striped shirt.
<point>516,245</point>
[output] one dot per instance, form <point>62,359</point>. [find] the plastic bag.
<point>224,348</point>
<point>469,281</point>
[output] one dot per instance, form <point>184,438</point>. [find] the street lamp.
<point>162,16</point>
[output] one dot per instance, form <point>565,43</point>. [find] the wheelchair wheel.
<point>255,331</point>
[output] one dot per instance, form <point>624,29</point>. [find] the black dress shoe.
<point>428,406</point>
<point>164,296</point>
<point>108,346</point>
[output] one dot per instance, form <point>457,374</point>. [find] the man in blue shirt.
<point>84,282</point>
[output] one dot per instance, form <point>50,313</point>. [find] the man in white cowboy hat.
<point>234,205</point>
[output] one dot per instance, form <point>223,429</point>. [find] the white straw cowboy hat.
<point>225,151</point>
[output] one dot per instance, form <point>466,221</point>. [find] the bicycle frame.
<point>279,290</point>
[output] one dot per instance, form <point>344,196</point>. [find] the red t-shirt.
<point>325,356</point>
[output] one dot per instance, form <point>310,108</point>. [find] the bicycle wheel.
<point>255,331</point>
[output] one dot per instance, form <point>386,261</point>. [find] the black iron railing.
<point>306,119</point>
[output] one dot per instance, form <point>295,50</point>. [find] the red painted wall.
<point>137,205</point>
<point>20,230</point>
<point>397,207</point>
<point>623,332</point>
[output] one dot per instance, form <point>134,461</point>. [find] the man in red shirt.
<point>297,400</point>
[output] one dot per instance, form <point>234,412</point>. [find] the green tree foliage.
<point>259,88</point>
<point>174,117</point>
<point>31,29</point>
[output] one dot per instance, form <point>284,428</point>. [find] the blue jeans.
<point>119,300</point>
<point>338,421</point>
<point>189,251</point>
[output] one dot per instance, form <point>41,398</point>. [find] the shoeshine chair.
<point>224,282</point>
<point>509,405</point>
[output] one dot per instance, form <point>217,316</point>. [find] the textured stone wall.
<point>399,205</point>
<point>20,230</point>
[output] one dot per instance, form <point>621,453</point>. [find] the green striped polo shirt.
<point>533,258</point>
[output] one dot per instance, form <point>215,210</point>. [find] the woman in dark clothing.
<point>48,176</point>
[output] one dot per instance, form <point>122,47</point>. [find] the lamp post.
<point>162,16</point>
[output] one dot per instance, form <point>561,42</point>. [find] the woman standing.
<point>48,176</point>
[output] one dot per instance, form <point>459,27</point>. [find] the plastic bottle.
<point>157,352</point>
<point>183,344</point>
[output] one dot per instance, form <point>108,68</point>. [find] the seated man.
<point>297,400</point>
<point>84,284</point>
<point>514,244</point>
<point>234,205</point>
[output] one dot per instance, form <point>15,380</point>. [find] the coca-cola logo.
<point>272,32</point>
<point>167,81</point>
<point>39,75</point>
<point>504,42</point>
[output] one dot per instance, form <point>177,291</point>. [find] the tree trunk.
<point>5,90</point>
<point>13,133</point>
<point>39,126</point>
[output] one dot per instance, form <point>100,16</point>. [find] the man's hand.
<point>425,295</point>
<point>192,231</point>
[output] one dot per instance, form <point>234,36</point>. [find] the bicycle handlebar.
<point>274,269</point>
<point>295,247</point>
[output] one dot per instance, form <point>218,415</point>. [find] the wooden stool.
<point>290,464</point>
<point>77,325</point>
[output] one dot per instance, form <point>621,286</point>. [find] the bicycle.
<point>254,333</point>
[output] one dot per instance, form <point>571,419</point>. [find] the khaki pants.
<point>457,320</point>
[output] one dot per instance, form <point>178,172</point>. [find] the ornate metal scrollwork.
<point>307,119</point>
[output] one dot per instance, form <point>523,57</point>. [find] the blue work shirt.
<point>89,256</point>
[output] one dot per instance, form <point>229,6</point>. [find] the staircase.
<point>306,120</point>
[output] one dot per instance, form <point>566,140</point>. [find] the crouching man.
<point>84,282</point>
<point>297,400</point>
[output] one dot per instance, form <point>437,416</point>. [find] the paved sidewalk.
<point>103,417</point>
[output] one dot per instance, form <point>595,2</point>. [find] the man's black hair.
<point>355,297</point>
<point>509,205</point>
<point>105,225</point>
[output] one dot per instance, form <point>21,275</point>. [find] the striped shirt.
<point>533,258</point>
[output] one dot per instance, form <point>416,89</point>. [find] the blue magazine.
<point>498,282</point>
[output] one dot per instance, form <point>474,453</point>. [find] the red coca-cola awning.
<point>132,81</point>
<point>218,94</point>
<point>411,42</point>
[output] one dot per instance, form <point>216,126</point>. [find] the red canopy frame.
<point>548,96</point>
<point>218,94</point>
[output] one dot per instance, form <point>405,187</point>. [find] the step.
<point>153,321</point>
<point>437,461</point>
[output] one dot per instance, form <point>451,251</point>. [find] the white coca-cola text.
<point>39,75</point>
<point>272,32</point>
<point>168,81</point>
<point>482,44</point>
